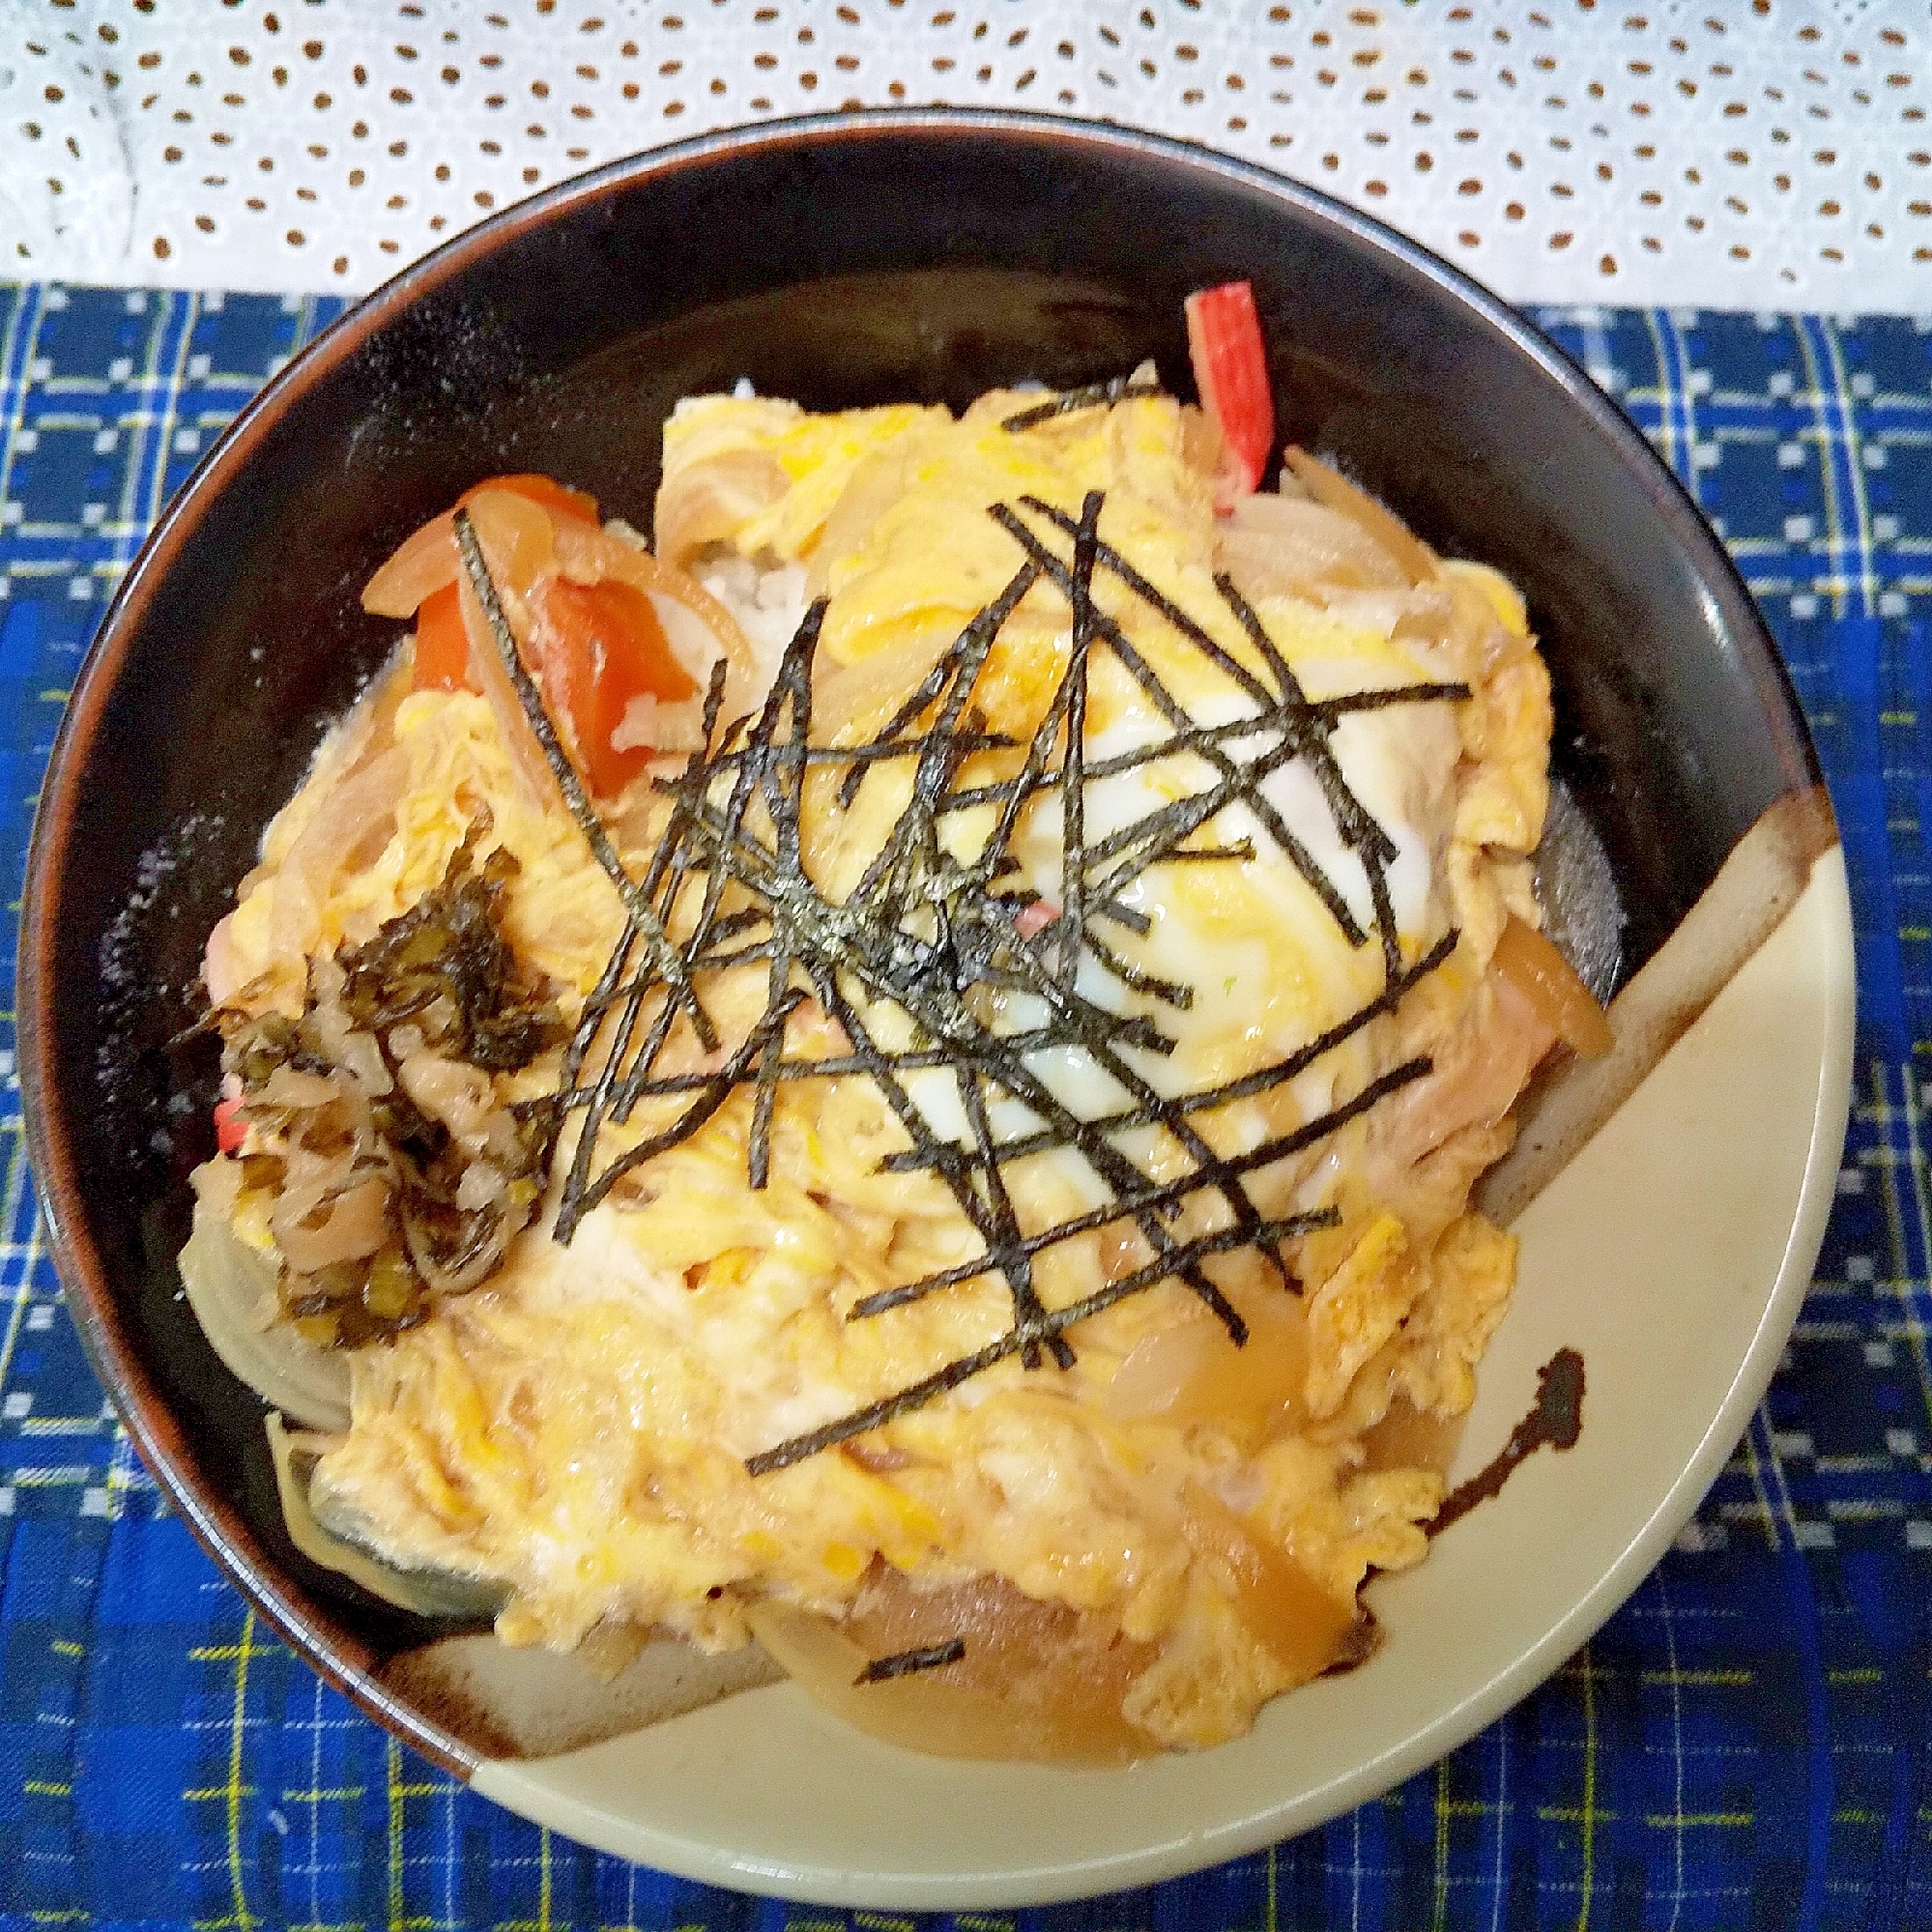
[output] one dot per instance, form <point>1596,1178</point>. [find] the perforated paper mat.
<point>1773,155</point>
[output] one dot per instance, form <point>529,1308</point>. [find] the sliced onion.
<point>1286,543</point>
<point>519,540</point>
<point>356,1224</point>
<point>481,1262</point>
<point>532,771</point>
<point>1534,966</point>
<point>291,1089</point>
<point>1282,1606</point>
<point>855,699</point>
<point>349,815</point>
<point>1329,486</point>
<point>224,971</point>
<point>1475,1081</point>
<point>422,563</point>
<point>428,1593</point>
<point>452,1091</point>
<point>875,486</point>
<point>231,1288</point>
<point>1411,1438</point>
<point>515,536</point>
<point>1193,1372</point>
<point>707,501</point>
<point>1036,1682</point>
<point>1429,618</point>
<point>354,1051</point>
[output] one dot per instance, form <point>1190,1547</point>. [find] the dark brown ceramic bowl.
<point>843,261</point>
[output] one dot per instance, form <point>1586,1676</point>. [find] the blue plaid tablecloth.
<point>1745,1743</point>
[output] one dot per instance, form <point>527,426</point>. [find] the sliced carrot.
<point>1230,370</point>
<point>231,1129</point>
<point>593,556</point>
<point>602,645</point>
<point>441,645</point>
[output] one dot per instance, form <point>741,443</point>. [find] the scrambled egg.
<point>577,1429</point>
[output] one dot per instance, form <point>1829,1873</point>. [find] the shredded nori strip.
<point>1090,395</point>
<point>905,1663</point>
<point>1387,695</point>
<point>933,938</point>
<point>643,916</point>
<point>916,1397</point>
<point>1242,784</point>
<point>1249,1084</point>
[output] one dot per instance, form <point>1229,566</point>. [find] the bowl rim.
<point>102,1322</point>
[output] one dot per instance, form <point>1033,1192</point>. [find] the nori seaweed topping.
<point>1090,395</point>
<point>940,942</point>
<point>637,904</point>
<point>905,1663</point>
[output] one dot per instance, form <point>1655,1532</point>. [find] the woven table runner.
<point>1744,1743</point>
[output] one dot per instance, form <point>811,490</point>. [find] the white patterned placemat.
<point>1740,154</point>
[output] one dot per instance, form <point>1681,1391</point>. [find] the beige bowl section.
<point>1672,1252</point>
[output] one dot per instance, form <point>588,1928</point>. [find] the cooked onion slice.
<point>316,1230</point>
<point>1411,1438</point>
<point>349,817</point>
<point>519,541</point>
<point>1290,545</point>
<point>1534,966</point>
<point>1036,1682</point>
<point>452,1091</point>
<point>422,563</point>
<point>1283,1608</point>
<point>232,1290</point>
<point>428,1593</point>
<point>534,776</point>
<point>1191,1372</point>
<point>705,502</point>
<point>1329,486</point>
<point>517,538</point>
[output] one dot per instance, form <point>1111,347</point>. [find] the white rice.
<point>769,605</point>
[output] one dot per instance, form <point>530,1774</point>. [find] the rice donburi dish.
<point>896,1071</point>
